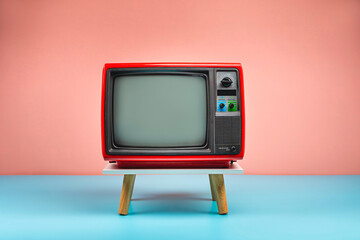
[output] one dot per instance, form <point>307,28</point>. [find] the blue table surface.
<point>180,207</point>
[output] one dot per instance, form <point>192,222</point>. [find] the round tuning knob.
<point>221,105</point>
<point>226,82</point>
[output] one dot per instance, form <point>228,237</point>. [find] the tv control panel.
<point>227,116</point>
<point>226,92</point>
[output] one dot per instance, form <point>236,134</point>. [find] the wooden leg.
<point>126,193</point>
<point>219,192</point>
<point>212,187</point>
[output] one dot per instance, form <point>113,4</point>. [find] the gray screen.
<point>159,111</point>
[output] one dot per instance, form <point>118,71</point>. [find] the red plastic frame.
<point>174,161</point>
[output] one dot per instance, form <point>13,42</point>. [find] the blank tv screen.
<point>159,111</point>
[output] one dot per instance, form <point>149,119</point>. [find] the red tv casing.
<point>133,161</point>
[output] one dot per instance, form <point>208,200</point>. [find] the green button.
<point>234,108</point>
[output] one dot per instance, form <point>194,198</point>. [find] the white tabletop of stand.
<point>234,169</point>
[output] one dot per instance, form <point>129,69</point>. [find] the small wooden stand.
<point>216,177</point>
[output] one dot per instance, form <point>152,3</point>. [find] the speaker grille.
<point>227,133</point>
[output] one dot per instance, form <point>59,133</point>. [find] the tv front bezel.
<point>110,146</point>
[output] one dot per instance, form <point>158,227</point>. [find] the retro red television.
<point>172,114</point>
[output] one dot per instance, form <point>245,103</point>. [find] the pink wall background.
<point>301,64</point>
